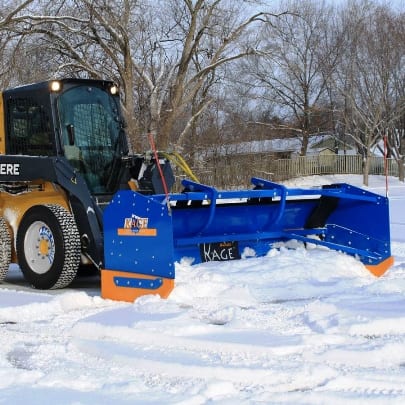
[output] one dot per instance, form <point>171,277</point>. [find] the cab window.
<point>28,128</point>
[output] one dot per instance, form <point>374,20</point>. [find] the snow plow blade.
<point>144,235</point>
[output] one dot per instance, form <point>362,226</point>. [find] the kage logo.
<point>12,169</point>
<point>136,226</point>
<point>136,223</point>
<point>219,251</point>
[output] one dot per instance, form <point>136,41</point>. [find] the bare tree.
<point>396,143</point>
<point>297,65</point>
<point>164,54</point>
<point>368,76</point>
<point>396,105</point>
<point>11,14</point>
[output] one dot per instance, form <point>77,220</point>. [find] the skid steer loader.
<point>72,195</point>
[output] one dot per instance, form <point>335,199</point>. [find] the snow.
<point>284,145</point>
<point>301,326</point>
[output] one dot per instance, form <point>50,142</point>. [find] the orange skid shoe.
<point>125,286</point>
<point>380,268</point>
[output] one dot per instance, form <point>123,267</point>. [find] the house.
<point>327,144</point>
<point>285,148</point>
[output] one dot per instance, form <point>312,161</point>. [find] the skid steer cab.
<point>63,155</point>
<point>72,196</point>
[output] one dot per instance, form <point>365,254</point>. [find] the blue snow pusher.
<point>73,195</point>
<point>144,235</point>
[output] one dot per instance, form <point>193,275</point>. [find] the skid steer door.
<point>91,130</point>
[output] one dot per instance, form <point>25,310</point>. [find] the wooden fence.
<point>236,170</point>
<point>331,164</point>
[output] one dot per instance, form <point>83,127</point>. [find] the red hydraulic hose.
<point>155,154</point>
<point>386,165</point>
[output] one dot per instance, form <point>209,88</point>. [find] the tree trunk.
<point>131,121</point>
<point>401,170</point>
<point>304,145</point>
<point>163,139</point>
<point>366,169</point>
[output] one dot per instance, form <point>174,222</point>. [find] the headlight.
<point>56,86</point>
<point>114,89</point>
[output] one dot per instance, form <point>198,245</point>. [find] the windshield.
<point>92,134</point>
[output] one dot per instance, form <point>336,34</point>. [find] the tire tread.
<point>5,249</point>
<point>72,245</point>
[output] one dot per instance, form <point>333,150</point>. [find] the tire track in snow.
<point>271,369</point>
<point>269,379</point>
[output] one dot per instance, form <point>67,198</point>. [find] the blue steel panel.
<point>138,235</point>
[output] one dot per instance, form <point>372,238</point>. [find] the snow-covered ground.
<point>295,327</point>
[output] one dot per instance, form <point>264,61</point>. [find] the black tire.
<point>48,247</point>
<point>5,249</point>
